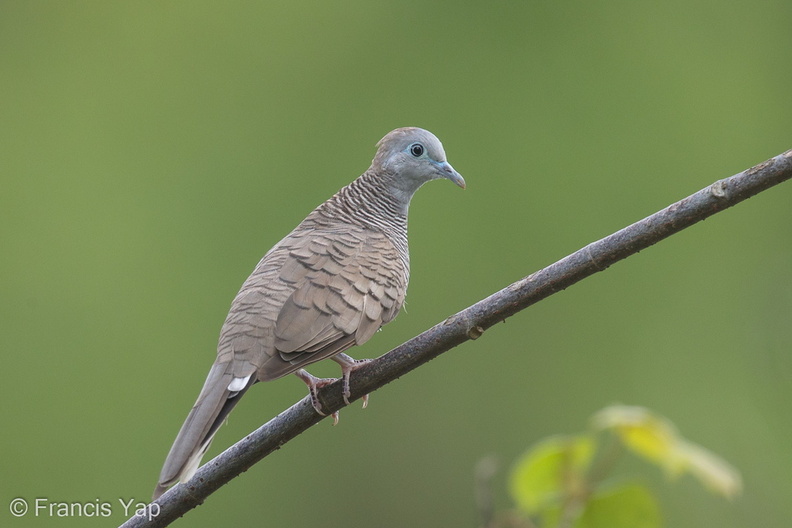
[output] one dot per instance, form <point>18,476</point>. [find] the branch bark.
<point>470,323</point>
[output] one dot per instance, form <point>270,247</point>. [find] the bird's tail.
<point>207,415</point>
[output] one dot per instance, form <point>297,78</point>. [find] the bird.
<point>330,284</point>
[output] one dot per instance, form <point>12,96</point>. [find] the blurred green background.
<point>151,152</point>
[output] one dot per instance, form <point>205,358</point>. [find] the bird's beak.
<point>447,171</point>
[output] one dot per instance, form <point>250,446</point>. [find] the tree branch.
<point>470,323</point>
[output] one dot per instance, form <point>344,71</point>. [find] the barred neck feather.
<point>371,203</point>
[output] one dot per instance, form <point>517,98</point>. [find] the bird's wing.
<point>347,286</point>
<point>315,294</point>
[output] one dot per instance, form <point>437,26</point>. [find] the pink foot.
<point>348,366</point>
<point>315,384</point>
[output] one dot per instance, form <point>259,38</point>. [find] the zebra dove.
<point>330,284</point>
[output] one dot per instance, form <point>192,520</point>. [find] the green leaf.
<point>551,470</point>
<point>646,434</point>
<point>656,439</point>
<point>716,474</point>
<point>628,506</point>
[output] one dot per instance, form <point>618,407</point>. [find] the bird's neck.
<point>371,203</point>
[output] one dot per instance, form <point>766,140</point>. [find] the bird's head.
<point>410,157</point>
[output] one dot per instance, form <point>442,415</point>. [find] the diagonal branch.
<point>470,323</point>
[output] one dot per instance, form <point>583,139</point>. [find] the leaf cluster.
<point>567,481</point>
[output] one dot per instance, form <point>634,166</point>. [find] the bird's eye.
<point>416,149</point>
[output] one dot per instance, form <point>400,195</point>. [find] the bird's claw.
<point>314,384</point>
<point>348,366</point>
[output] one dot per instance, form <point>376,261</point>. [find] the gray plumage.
<point>330,284</point>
